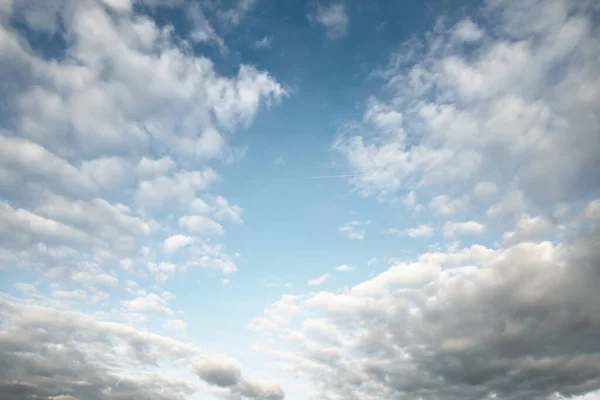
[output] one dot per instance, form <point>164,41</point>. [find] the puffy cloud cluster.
<point>226,373</point>
<point>495,117</point>
<point>511,323</point>
<point>109,122</point>
<point>507,102</point>
<point>47,353</point>
<point>111,126</point>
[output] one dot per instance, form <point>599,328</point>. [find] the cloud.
<point>467,228</point>
<point>175,325</point>
<point>219,371</point>
<point>226,373</point>
<point>353,229</point>
<point>345,268</point>
<point>517,322</point>
<point>72,295</point>
<point>442,205</point>
<point>201,224</point>
<point>109,137</point>
<point>467,31</point>
<point>114,360</point>
<point>421,231</point>
<point>495,111</point>
<point>320,280</point>
<point>530,229</point>
<point>176,242</point>
<point>236,14</point>
<point>485,189</point>
<point>264,43</point>
<point>149,303</point>
<point>333,18</point>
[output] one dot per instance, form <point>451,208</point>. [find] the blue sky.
<point>329,200</point>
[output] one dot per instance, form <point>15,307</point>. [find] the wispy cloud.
<point>333,18</point>
<point>354,229</point>
<point>320,280</point>
<point>345,268</point>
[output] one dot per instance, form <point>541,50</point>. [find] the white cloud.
<point>320,280</point>
<point>448,307</point>
<point>442,205</point>
<point>175,325</point>
<point>420,231</point>
<point>493,112</point>
<point>236,14</point>
<point>116,354</point>
<point>467,31</point>
<point>227,212</point>
<point>25,288</point>
<point>468,228</point>
<point>511,205</point>
<point>176,242</point>
<point>69,295</point>
<point>530,229</point>
<point>333,18</point>
<point>485,189</point>
<point>150,168</point>
<point>345,268</point>
<point>353,229</point>
<point>162,270</point>
<point>147,304</point>
<point>200,224</point>
<point>264,43</point>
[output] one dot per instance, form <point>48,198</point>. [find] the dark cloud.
<point>517,323</point>
<point>226,373</point>
<point>47,353</point>
<point>220,372</point>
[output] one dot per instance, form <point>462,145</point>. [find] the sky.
<point>302,200</point>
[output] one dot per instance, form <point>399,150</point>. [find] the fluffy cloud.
<point>512,323</point>
<point>468,227</point>
<point>103,130</point>
<point>54,354</point>
<point>200,224</point>
<point>226,373</point>
<point>112,126</point>
<point>495,111</point>
<point>176,242</point>
<point>345,268</point>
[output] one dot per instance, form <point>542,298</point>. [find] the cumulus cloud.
<point>56,354</point>
<point>226,373</point>
<point>102,131</point>
<point>176,242</point>
<point>517,322</point>
<point>496,112</point>
<point>345,268</point>
<point>468,228</point>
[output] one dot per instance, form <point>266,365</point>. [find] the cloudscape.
<point>302,200</point>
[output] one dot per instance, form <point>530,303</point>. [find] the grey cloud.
<point>517,323</point>
<point>220,372</point>
<point>226,373</point>
<point>46,353</point>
